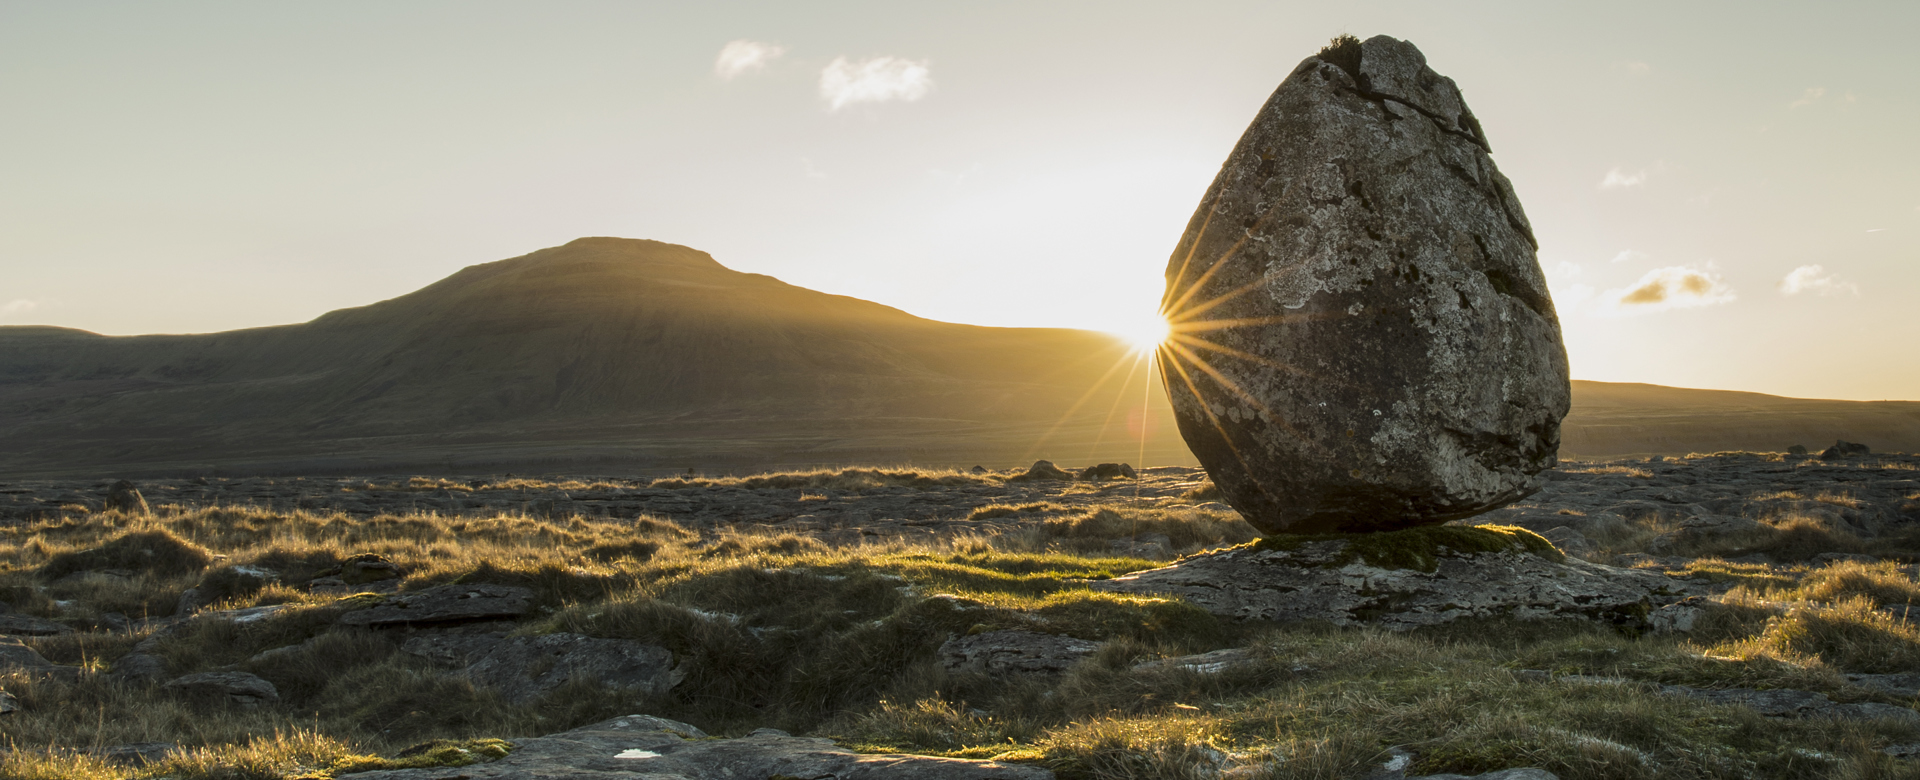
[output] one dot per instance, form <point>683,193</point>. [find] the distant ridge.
<point>620,355</point>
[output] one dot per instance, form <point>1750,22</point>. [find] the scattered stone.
<point>659,749</point>
<point>1835,557</point>
<point>446,604</point>
<point>17,656</point>
<point>1014,651</point>
<point>1105,471</point>
<point>8,704</point>
<point>239,689</point>
<point>1320,580</point>
<point>1797,449</point>
<point>1681,616</point>
<point>368,567</point>
<point>977,470</point>
<point>1403,362</point>
<point>122,496</point>
<point>1910,750</point>
<point>28,625</point>
<point>1042,471</point>
<point>1844,449</point>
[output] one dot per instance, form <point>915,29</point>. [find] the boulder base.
<point>1362,336</point>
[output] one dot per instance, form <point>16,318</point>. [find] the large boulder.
<point>446,604</point>
<point>1362,336</point>
<point>523,669</point>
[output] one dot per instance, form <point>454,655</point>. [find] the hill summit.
<point>566,345</point>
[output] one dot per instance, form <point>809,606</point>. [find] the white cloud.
<point>1808,278</point>
<point>1809,97</point>
<point>1566,270</point>
<point>872,81</point>
<point>17,306</point>
<point>1618,179</point>
<point>1673,287</point>
<point>1629,254</point>
<point>741,56</point>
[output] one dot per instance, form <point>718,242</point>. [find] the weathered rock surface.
<point>640,746</point>
<point>28,625</point>
<point>236,688</point>
<point>8,704</point>
<point>1014,651</point>
<point>1363,337</point>
<point>1789,703</point>
<point>446,604</point>
<point>123,496</point>
<point>522,669</point>
<point>1310,582</point>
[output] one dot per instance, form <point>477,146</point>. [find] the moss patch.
<point>1419,548</point>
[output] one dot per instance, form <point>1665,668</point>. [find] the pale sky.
<point>1727,195</point>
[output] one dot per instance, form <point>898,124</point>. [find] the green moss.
<point>1419,548</point>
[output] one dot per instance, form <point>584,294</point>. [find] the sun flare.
<point>1146,334</point>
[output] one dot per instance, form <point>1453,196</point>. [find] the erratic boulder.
<point>1363,338</point>
<point>1844,449</point>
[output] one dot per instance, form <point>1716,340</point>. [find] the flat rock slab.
<point>446,604</point>
<point>522,669</point>
<point>237,688</point>
<point>1014,651</point>
<point>639,746</point>
<point>1789,703</point>
<point>28,625</point>
<point>1363,339</point>
<point>1310,583</point>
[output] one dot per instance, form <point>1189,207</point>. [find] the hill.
<point>626,355</point>
<point>603,353</point>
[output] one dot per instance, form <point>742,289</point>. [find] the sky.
<point>1727,195</point>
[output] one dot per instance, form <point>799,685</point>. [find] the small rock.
<point>368,567</point>
<point>122,496</point>
<point>1014,651</point>
<point>1797,449</point>
<point>1835,557</point>
<point>8,704</point>
<point>236,688</point>
<point>1105,471</point>
<point>977,470</point>
<point>1213,662</point>
<point>523,669</point>
<point>1844,449</point>
<point>1042,471</point>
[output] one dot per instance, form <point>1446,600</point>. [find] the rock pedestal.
<point>1363,339</point>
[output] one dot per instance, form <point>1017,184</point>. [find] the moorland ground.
<point>818,603</point>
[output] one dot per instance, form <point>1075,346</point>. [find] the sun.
<point>1144,334</point>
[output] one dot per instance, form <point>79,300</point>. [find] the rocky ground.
<point>307,591</point>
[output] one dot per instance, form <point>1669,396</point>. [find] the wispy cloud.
<point>1809,97</point>
<point>1618,179</point>
<point>874,80</point>
<point>744,56</point>
<point>1813,278</point>
<point>17,306</point>
<point>1628,254</point>
<point>1673,287</point>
